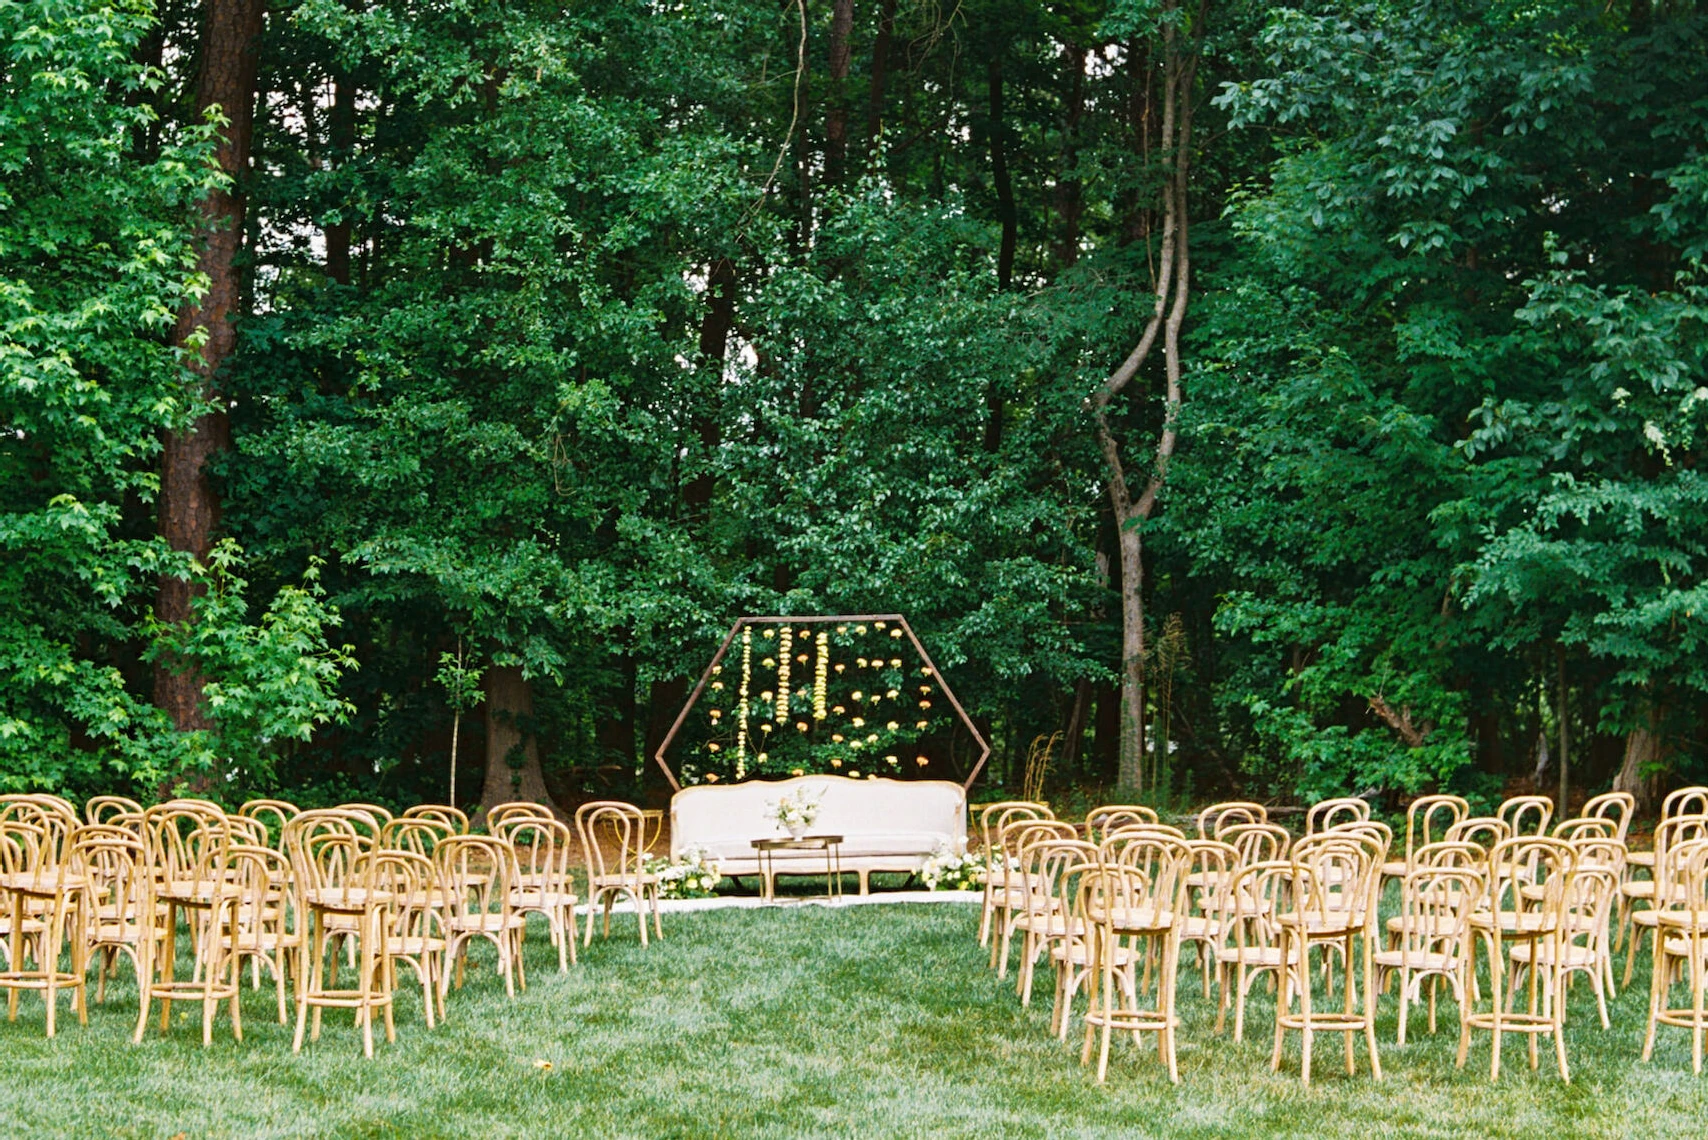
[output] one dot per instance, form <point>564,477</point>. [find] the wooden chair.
<point>1209,877</point>
<point>41,893</point>
<point>1659,891</point>
<point>1258,842</point>
<point>1043,917</point>
<point>418,835</point>
<point>478,873</point>
<point>616,874</point>
<point>266,930</point>
<point>991,819</point>
<point>273,814</point>
<point>1692,800</point>
<point>1486,831</point>
<point>1617,807</point>
<point>115,865</point>
<point>1134,903</point>
<point>188,843</point>
<point>1250,940</point>
<point>1333,885</point>
<point>544,884</point>
<point>1581,945</point>
<point>334,871</point>
<point>1073,953</point>
<point>523,809</point>
<point>1512,918</point>
<point>412,923</point>
<point>1012,842</point>
<point>1681,953</point>
<point>1432,940</point>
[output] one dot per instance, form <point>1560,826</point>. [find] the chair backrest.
<point>245,829</point>
<point>22,843</point>
<point>1105,818</point>
<point>1334,880</point>
<point>1343,809</point>
<point>1216,818</point>
<point>1116,841</point>
<point>1670,837</point>
<point>1258,842</point>
<point>1526,815</point>
<point>1043,863</point>
<point>1260,892</point>
<point>1375,830</point>
<point>306,826</point>
<point>1429,817</point>
<point>1436,904</point>
<point>1211,864</point>
<point>50,815</point>
<point>455,818</point>
<point>1148,878</point>
<point>1617,807</point>
<point>100,809</point>
<point>1486,831</point>
<point>477,874</point>
<point>415,834</point>
<point>1600,851</point>
<point>383,815</point>
<point>1023,833</point>
<point>1450,855</point>
<point>409,885</point>
<point>329,861</point>
<point>186,844</point>
<point>1582,827</point>
<point>542,849</point>
<point>604,824</point>
<point>1528,861</point>
<point>273,814</point>
<point>115,864</point>
<point>264,880</point>
<point>994,817</point>
<point>1685,801</point>
<point>1691,875</point>
<point>528,809</point>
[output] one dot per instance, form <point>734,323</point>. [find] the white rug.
<point>752,902</point>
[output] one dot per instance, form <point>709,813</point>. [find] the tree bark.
<point>1069,200</point>
<point>189,507</point>
<point>880,72</point>
<point>1170,289</point>
<point>1006,212</point>
<point>342,137</point>
<point>1644,751</point>
<point>512,753</point>
<point>836,113</point>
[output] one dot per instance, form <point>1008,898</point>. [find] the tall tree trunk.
<point>836,113</point>
<point>880,72</point>
<point>1644,751</point>
<point>1006,212</point>
<point>1170,289</point>
<point>342,136</point>
<point>189,508</point>
<point>512,752</point>
<point>1069,200</point>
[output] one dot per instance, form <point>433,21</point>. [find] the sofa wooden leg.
<point>865,882</point>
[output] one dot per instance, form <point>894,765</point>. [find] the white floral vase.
<point>796,830</point>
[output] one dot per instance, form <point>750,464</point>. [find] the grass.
<point>865,1021</point>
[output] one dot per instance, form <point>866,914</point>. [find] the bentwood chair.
<point>1132,905</point>
<point>267,929</point>
<point>1250,940</point>
<point>544,884</point>
<point>1043,918</point>
<point>1102,820</point>
<point>478,875</point>
<point>1333,884</point>
<point>498,814</point>
<point>40,894</point>
<point>188,845</point>
<point>1526,815</point>
<point>101,809</point>
<point>1432,942</point>
<point>1659,891</point>
<point>1217,818</point>
<point>1681,954</point>
<point>454,818</point>
<point>611,834</point>
<point>334,871</point>
<point>1680,802</point>
<point>1022,892</point>
<point>412,923</point>
<point>115,864</point>
<point>1512,917</point>
<point>992,818</point>
<point>1617,807</point>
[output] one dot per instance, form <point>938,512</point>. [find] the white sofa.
<point>886,825</point>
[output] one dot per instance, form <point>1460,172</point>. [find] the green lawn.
<point>868,1021</point>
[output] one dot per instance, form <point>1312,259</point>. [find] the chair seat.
<point>485,923</point>
<point>621,882</point>
<point>1525,922</point>
<point>1249,955</point>
<point>1416,960</point>
<point>542,900</point>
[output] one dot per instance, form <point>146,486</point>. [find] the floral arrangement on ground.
<point>691,875</point>
<point>955,869</point>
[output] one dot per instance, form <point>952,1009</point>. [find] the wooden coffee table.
<point>831,845</point>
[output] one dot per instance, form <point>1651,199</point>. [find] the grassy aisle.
<point>871,1021</point>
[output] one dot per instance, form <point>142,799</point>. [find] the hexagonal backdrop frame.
<point>755,620</point>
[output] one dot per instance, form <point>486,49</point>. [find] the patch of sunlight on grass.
<point>869,1021</point>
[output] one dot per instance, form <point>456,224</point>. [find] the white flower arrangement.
<point>691,875</point>
<point>954,869</point>
<point>795,812</point>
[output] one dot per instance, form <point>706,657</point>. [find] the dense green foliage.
<point>571,335</point>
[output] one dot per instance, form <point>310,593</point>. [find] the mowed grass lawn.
<point>865,1021</point>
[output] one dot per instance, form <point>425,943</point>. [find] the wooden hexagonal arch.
<point>741,623</point>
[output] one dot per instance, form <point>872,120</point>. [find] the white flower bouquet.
<point>795,813</point>
<point>954,869</point>
<point>689,876</point>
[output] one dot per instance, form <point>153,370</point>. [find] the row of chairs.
<point>288,892</point>
<point>1121,891</point>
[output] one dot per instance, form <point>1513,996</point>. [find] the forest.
<point>1273,399</point>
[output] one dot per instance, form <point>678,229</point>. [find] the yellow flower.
<point>766,696</point>
<point>895,662</point>
<point>858,722</point>
<point>857,694</point>
<point>925,688</point>
<point>877,625</point>
<point>922,724</point>
<point>711,777</point>
<point>836,737</point>
<point>860,661</point>
<point>841,629</point>
<point>712,746</point>
<point>763,727</point>
<point>859,629</point>
<point>853,774</point>
<point>770,633</point>
<point>921,761</point>
<point>840,666</point>
<point>836,761</point>
<point>892,694</point>
<point>763,756</point>
<point>895,633</point>
<point>801,657</point>
<point>892,726</point>
<point>872,738</point>
<point>838,710</point>
<point>717,685</point>
<point>801,724</point>
<point>924,704</point>
<point>769,663</point>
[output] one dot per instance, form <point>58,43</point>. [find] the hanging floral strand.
<point>741,707</point>
<point>821,667</point>
<point>784,648</point>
